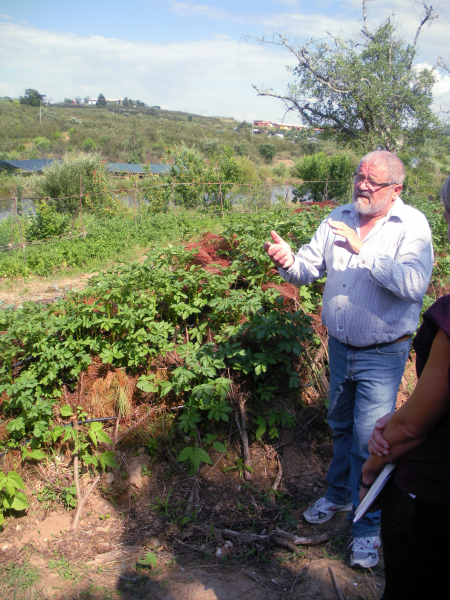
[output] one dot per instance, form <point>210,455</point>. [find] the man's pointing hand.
<point>280,252</point>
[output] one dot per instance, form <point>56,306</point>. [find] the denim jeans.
<point>363,387</point>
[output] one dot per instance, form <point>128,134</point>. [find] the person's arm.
<point>414,421</point>
<point>308,264</point>
<point>408,274</point>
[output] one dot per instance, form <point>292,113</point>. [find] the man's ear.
<point>397,189</point>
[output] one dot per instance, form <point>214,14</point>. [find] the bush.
<point>88,145</point>
<point>57,135</point>
<point>267,151</point>
<point>319,168</point>
<point>62,179</point>
<point>42,143</point>
<point>46,223</point>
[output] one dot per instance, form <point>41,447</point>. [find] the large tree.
<point>31,97</point>
<point>365,91</point>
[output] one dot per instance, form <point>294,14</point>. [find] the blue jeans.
<point>363,387</point>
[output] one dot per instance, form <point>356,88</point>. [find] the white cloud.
<point>188,9</point>
<point>5,17</point>
<point>213,75</point>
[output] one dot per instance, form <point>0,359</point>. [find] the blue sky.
<point>182,55</point>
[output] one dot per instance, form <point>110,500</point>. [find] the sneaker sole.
<point>357,565</point>
<point>329,516</point>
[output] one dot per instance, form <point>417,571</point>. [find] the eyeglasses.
<point>371,185</point>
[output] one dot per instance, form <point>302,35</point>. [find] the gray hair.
<point>445,195</point>
<point>387,160</point>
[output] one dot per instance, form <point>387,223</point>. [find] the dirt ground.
<point>137,508</point>
<point>150,505</point>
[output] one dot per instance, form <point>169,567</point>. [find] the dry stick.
<point>21,237</point>
<point>220,190</point>
<point>80,204</point>
<point>134,203</point>
<point>82,502</point>
<point>277,482</point>
<point>13,220</point>
<point>339,594</point>
<point>247,459</point>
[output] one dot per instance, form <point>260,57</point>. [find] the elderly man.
<point>378,257</point>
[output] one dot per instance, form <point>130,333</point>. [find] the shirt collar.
<point>396,210</point>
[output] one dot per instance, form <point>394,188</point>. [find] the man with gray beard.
<point>378,258</point>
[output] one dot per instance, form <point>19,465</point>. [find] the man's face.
<point>368,198</point>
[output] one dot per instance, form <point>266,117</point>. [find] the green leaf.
<point>185,454</point>
<point>107,459</point>
<point>88,459</point>
<point>219,447</point>
<point>93,437</point>
<point>19,502</point>
<point>104,437</point>
<point>15,480</point>
<point>148,561</point>
<point>95,426</point>
<point>36,455</point>
<point>66,411</point>
<point>202,455</point>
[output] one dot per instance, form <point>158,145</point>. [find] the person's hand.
<point>280,252</point>
<point>352,242</point>
<point>377,444</point>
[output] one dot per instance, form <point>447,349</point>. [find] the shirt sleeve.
<point>309,261</point>
<point>407,274</point>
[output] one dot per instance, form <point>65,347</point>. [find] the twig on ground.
<point>277,482</point>
<point>339,594</point>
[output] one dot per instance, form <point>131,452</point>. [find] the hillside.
<point>134,134</point>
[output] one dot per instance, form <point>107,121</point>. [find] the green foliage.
<point>101,101</point>
<point>62,180</point>
<point>46,223</point>
<point>56,136</point>
<point>149,560</point>
<point>267,151</point>
<point>10,496</point>
<point>42,143</point>
<point>189,167</point>
<point>196,456</point>
<point>333,174</point>
<point>240,467</point>
<point>65,495</point>
<point>88,145</point>
<point>365,91</point>
<point>31,98</point>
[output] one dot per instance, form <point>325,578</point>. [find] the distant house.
<point>111,100</point>
<point>264,124</point>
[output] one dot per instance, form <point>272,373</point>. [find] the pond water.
<point>7,202</point>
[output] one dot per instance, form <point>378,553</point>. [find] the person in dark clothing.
<point>415,515</point>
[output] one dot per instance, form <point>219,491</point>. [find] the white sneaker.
<point>365,552</point>
<point>322,510</point>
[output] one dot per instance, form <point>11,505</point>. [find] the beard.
<point>370,207</point>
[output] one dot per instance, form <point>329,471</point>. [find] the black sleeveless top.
<point>425,471</point>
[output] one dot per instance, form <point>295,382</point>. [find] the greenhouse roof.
<point>34,164</point>
<point>37,165</point>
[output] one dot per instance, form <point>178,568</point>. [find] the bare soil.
<point>122,523</point>
<point>151,505</point>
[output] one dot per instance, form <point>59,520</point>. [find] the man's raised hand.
<point>280,252</point>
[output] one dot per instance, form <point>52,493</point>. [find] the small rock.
<point>218,507</point>
<point>135,472</point>
<point>109,478</point>
<point>224,550</point>
<point>18,527</point>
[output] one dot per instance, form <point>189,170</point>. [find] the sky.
<point>184,55</point>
